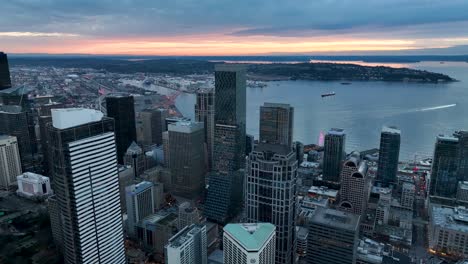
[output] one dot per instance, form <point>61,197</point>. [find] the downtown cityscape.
<point>222,157</point>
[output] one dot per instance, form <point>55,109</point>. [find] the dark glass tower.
<point>444,167</point>
<point>229,131</point>
<point>154,124</point>
<point>5,81</point>
<point>334,154</point>
<point>122,110</point>
<point>462,155</point>
<point>389,154</point>
<point>15,122</point>
<point>276,124</point>
<point>204,112</point>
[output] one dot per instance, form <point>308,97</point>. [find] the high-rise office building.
<point>270,194</point>
<point>355,185</point>
<point>188,246</point>
<point>230,111</point>
<point>188,215</point>
<point>249,243</point>
<point>299,149</point>
<point>10,163</point>
<point>187,158</point>
<point>5,81</point>
<point>136,158</point>
<point>139,199</point>
<point>334,154</point>
<point>389,154</point>
<point>444,179</point>
<point>408,192</point>
<point>16,122</point>
<point>333,237</point>
<point>85,176</point>
<point>462,166</point>
<point>122,110</point>
<point>204,112</point>
<point>224,196</point>
<point>153,125</point>
<point>276,124</point>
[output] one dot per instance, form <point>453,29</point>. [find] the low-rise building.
<point>33,186</point>
<point>154,231</point>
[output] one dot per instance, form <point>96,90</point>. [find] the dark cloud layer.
<point>108,18</point>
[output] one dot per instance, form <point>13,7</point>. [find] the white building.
<point>249,243</point>
<point>33,185</point>
<point>10,163</point>
<point>188,246</point>
<point>82,143</point>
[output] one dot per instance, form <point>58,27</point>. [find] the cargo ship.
<point>328,94</point>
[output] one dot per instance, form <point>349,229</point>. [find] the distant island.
<point>257,72</point>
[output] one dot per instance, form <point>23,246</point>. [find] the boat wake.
<point>436,107</point>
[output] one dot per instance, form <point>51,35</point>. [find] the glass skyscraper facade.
<point>5,81</point>
<point>444,172</point>
<point>122,110</point>
<point>204,112</point>
<point>230,111</point>
<point>334,154</point>
<point>389,154</point>
<point>276,124</point>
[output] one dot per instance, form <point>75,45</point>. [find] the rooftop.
<point>64,118</point>
<point>335,219</point>
<point>137,188</point>
<point>450,218</point>
<point>184,235</point>
<point>29,176</point>
<point>6,137</point>
<point>463,185</point>
<point>446,138</point>
<point>391,130</point>
<point>336,132</point>
<point>322,190</point>
<point>251,236</point>
<point>185,126</point>
<point>231,67</point>
<point>277,105</point>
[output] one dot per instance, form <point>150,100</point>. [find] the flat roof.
<point>230,67</point>
<point>391,130</point>
<point>447,138</point>
<point>336,132</point>
<point>251,236</point>
<point>64,118</point>
<point>450,217</point>
<point>322,190</point>
<point>279,105</point>
<point>185,126</point>
<point>335,219</point>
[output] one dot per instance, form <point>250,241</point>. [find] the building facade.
<point>276,124</point>
<point>10,162</point>
<point>82,146</point>
<point>135,158</point>
<point>249,243</point>
<point>34,186</point>
<point>355,185</point>
<point>122,110</point>
<point>188,246</point>
<point>333,237</point>
<point>5,80</point>
<point>444,181</point>
<point>187,158</point>
<point>270,190</point>
<point>204,112</point>
<point>153,125</point>
<point>334,154</point>
<point>139,199</point>
<point>230,116</point>
<point>389,154</point>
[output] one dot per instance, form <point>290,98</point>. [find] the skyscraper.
<point>10,164</point>
<point>82,144</point>
<point>249,243</point>
<point>355,185</point>
<point>189,246</point>
<point>333,237</point>
<point>204,112</point>
<point>276,124</point>
<point>122,110</point>
<point>230,107</point>
<point>139,199</point>
<point>5,81</point>
<point>16,122</point>
<point>444,180</point>
<point>187,158</point>
<point>462,166</point>
<point>153,124</point>
<point>136,158</point>
<point>270,194</point>
<point>389,153</point>
<point>334,154</point>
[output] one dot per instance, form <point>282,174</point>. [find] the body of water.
<point>421,111</point>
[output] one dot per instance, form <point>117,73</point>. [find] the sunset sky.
<point>242,27</point>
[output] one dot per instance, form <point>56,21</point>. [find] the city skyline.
<point>237,28</point>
